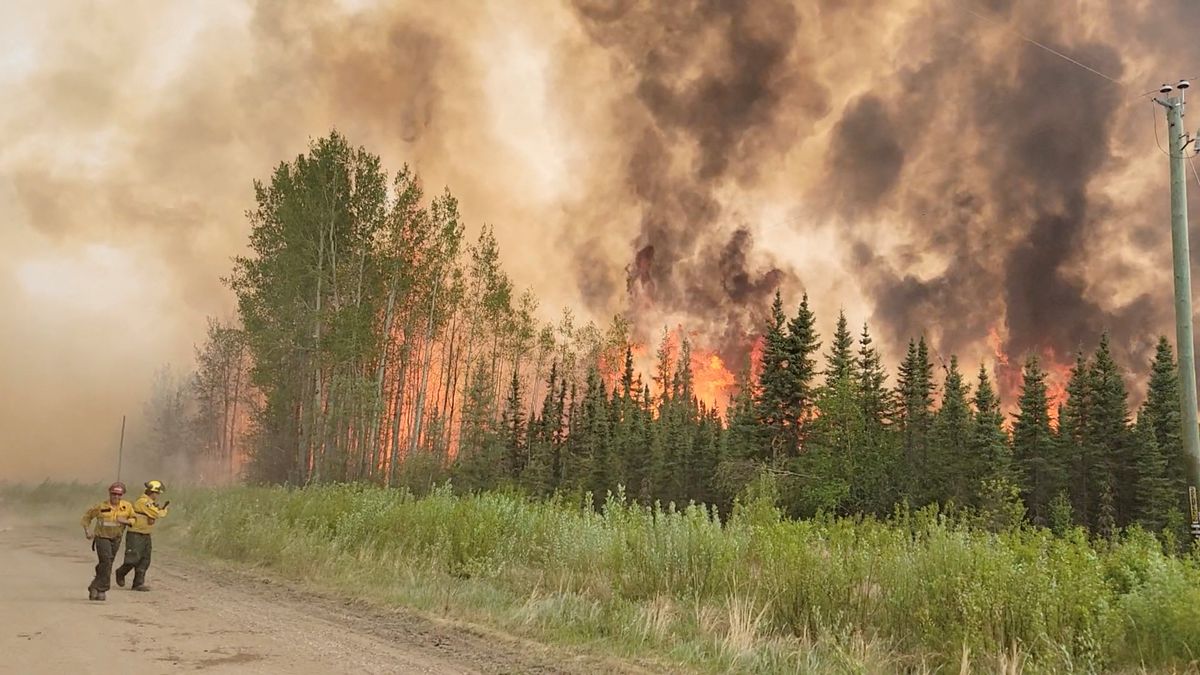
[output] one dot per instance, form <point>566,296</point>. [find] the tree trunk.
<point>237,388</point>
<point>420,408</point>
<point>315,362</point>
<point>397,413</point>
<point>380,408</point>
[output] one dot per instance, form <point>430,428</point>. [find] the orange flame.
<point>756,357</point>
<point>1009,377</point>
<point>1057,376</point>
<point>997,346</point>
<point>714,383</point>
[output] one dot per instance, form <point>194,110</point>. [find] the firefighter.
<point>111,518</point>
<point>146,511</point>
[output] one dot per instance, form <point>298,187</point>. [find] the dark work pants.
<point>106,552</point>
<point>137,557</point>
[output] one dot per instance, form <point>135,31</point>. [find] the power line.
<point>996,22</point>
<point>1036,43</point>
<point>1154,120</point>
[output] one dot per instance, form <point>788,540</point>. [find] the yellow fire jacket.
<point>107,516</point>
<point>146,511</point>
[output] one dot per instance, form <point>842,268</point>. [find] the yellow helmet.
<point>154,486</point>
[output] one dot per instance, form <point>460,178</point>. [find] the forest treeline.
<point>375,343</point>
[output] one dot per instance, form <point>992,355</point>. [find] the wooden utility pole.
<point>1178,153</point>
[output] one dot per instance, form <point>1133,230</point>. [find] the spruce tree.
<point>513,423</point>
<point>802,344</point>
<point>1034,447</point>
<point>637,454</point>
<point>627,391</point>
<point>873,394</point>
<point>879,483</point>
<point>648,437</point>
<point>949,471</point>
<point>1162,413</point>
<point>625,446</point>
<point>664,372</point>
<point>774,380</point>
<point>997,492</point>
<point>744,436</point>
<point>479,463</point>
<point>1152,498</point>
<point>586,422</point>
<point>551,430</point>
<point>597,437</point>
<point>837,455</point>
<point>684,378</point>
<point>706,457</point>
<point>1109,433</point>
<point>658,477</point>
<point>914,394</point>
<point>540,475</point>
<point>1074,423</point>
<point>990,452</point>
<point>682,426</point>
<point>840,363</point>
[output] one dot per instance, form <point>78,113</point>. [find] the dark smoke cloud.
<point>1045,160</point>
<point>719,89</point>
<point>969,175</point>
<point>995,173</point>
<point>866,158</point>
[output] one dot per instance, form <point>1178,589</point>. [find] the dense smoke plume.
<point>916,163</point>
<point>716,87</point>
<point>976,183</point>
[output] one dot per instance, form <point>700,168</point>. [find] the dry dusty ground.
<point>199,617</point>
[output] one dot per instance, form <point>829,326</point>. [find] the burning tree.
<point>378,344</point>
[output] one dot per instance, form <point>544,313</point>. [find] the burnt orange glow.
<point>1009,376</point>
<point>714,383</point>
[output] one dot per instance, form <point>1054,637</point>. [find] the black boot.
<point>121,572</point>
<point>141,588</point>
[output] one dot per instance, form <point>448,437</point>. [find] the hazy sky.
<point>916,163</point>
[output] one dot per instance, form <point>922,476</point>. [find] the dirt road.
<point>200,618</point>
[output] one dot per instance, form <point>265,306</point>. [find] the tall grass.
<point>757,593</point>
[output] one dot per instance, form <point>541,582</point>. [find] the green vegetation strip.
<point>756,594</point>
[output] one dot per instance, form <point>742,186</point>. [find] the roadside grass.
<point>683,591</point>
